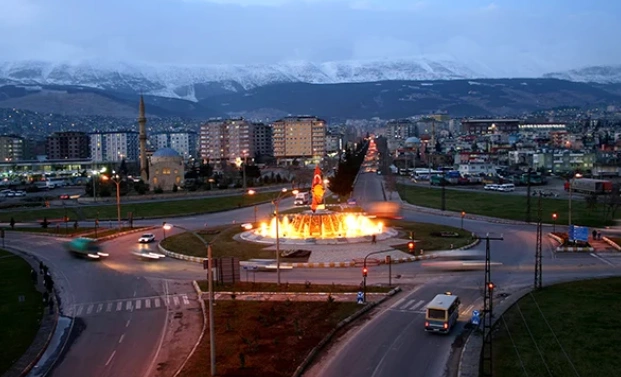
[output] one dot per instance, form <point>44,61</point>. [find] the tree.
<point>123,168</point>
<point>205,170</point>
<point>612,202</point>
<point>390,183</point>
<point>591,201</point>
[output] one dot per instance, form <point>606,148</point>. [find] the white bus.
<point>441,313</point>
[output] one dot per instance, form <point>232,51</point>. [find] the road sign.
<point>250,268</point>
<point>360,298</point>
<point>578,233</point>
<point>476,319</point>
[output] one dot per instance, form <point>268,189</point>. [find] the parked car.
<point>146,238</point>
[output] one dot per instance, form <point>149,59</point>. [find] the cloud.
<point>512,37</point>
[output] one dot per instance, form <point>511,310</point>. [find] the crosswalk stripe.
<point>398,302</point>
<point>176,300</point>
<point>79,310</point>
<point>138,304</point>
<point>167,299</point>
<point>128,306</point>
<point>186,301</point>
<point>109,307</point>
<point>147,303</point>
<point>89,309</point>
<point>99,308</point>
<point>157,302</point>
<point>413,308</point>
<point>409,303</point>
<point>119,306</point>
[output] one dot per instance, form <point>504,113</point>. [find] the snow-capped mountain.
<point>595,74</point>
<point>181,81</point>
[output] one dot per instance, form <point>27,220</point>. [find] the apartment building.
<point>301,137</point>
<point>334,142</point>
<point>227,140</point>
<point>68,145</point>
<point>263,142</point>
<point>488,126</point>
<point>183,142</point>
<point>11,148</point>
<point>114,146</point>
<point>559,161</point>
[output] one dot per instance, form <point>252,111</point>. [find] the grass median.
<point>265,338</point>
<point>156,209</point>
<point>429,237</point>
<point>506,206</point>
<point>288,287</point>
<point>21,309</point>
<point>563,330</point>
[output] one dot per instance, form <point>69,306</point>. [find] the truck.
<point>589,186</point>
<point>301,199</point>
<point>86,248</point>
<point>387,210</point>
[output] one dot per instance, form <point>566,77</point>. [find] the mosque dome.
<point>165,152</point>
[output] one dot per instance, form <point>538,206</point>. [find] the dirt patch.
<point>265,338</point>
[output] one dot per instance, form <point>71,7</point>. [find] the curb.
<point>313,353</point>
<point>200,338</point>
<point>180,256</point>
<point>319,294</point>
<point>116,235</point>
<point>611,243</point>
<point>569,248</point>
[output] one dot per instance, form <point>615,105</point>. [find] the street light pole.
<point>212,332</point>
<point>277,242</point>
<point>117,180</point>
<point>244,170</point>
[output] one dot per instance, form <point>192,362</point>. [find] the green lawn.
<point>573,323</point>
<point>62,230</point>
<point>155,209</point>
<point>20,320</point>
<point>287,287</point>
<point>427,237</point>
<point>505,206</point>
<point>222,244</point>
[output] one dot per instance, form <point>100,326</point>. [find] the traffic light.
<point>554,216</point>
<point>463,213</point>
<point>364,272</point>
<point>490,285</point>
<point>411,246</point>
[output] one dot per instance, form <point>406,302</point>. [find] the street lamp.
<point>245,155</point>
<point>554,217</point>
<point>275,202</point>
<point>212,333</point>
<point>252,192</point>
<point>463,214</point>
<point>571,189</point>
<point>117,180</point>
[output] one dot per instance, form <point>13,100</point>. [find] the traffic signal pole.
<point>365,271</point>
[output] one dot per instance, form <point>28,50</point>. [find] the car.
<point>146,238</point>
<point>64,196</point>
<point>20,193</point>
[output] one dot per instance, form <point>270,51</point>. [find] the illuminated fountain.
<point>319,225</point>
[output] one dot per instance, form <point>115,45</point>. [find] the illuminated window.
<point>166,171</point>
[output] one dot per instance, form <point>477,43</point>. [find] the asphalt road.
<point>113,337</point>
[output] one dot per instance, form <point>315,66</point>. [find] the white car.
<point>146,238</point>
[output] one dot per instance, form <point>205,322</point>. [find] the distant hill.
<point>384,99</point>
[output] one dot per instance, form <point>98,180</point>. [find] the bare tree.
<point>303,176</point>
<point>612,202</point>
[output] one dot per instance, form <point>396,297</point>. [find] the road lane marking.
<point>79,312</point>
<point>413,308</point>
<point>134,293</point>
<point>147,303</point>
<point>121,340</point>
<point>99,308</point>
<point>128,321</point>
<point>109,307</point>
<point>467,310</point>
<point>399,301</point>
<point>89,309</point>
<point>404,307</point>
<point>186,301</point>
<point>110,359</point>
<point>602,259</point>
<point>119,306</point>
<point>128,306</point>
<point>176,300</point>
<point>138,304</point>
<point>157,302</point>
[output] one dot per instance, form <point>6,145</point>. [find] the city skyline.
<point>503,38</point>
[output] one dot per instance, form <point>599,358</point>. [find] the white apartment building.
<point>183,142</point>
<point>334,142</point>
<point>301,137</point>
<point>114,146</point>
<point>227,140</point>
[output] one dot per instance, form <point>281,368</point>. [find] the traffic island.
<point>275,338</point>
<point>565,245</point>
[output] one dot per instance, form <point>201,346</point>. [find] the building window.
<point>155,181</point>
<point>178,179</point>
<point>157,171</point>
<point>166,171</point>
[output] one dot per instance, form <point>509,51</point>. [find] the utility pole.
<point>443,191</point>
<point>486,355</point>
<point>528,196</point>
<point>538,272</point>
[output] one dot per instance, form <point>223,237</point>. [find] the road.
<point>121,311</point>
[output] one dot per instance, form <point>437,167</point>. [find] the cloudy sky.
<point>503,36</point>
